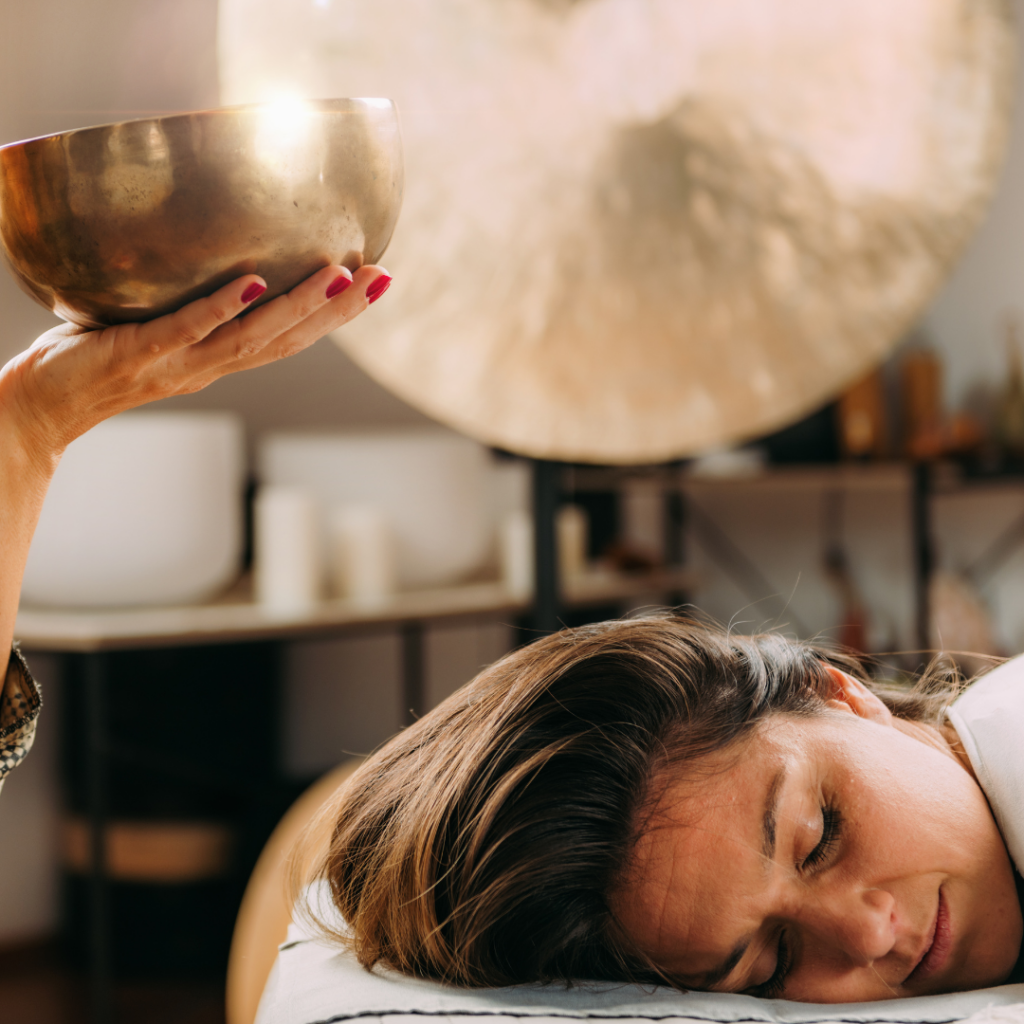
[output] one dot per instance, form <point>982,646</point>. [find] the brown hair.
<point>480,846</point>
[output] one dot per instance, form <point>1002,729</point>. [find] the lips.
<point>940,942</point>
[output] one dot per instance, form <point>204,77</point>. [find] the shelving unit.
<point>915,485</point>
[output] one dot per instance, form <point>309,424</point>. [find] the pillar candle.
<point>287,549</point>
<point>362,554</point>
<point>515,549</point>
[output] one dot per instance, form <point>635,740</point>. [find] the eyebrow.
<point>771,814</point>
<point>768,823</point>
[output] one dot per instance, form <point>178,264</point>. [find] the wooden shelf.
<point>866,475</point>
<point>943,476</point>
<point>237,618</point>
<point>877,476</point>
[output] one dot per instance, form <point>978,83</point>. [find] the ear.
<point>851,695</point>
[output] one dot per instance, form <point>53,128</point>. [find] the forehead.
<point>700,855</point>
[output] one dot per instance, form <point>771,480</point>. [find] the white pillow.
<point>315,983</point>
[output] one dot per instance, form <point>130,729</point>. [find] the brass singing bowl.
<point>129,221</point>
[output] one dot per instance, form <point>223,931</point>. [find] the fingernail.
<point>378,288</point>
<point>253,292</point>
<point>338,285</point>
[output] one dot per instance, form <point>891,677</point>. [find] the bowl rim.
<point>336,105</point>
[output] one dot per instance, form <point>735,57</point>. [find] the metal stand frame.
<point>547,494</point>
<point>96,677</point>
<point>413,672</point>
<point>921,532</point>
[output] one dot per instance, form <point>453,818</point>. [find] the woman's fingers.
<point>292,322</point>
<point>198,320</point>
<point>234,344</point>
<point>369,283</point>
<point>187,350</point>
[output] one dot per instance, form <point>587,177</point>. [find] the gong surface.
<point>638,229</point>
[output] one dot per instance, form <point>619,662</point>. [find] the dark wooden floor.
<point>36,989</point>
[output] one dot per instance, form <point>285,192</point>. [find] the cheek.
<point>920,812</point>
<point>993,937</point>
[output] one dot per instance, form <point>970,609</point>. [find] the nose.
<point>857,921</point>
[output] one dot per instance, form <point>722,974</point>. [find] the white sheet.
<point>989,719</point>
<point>314,983</point>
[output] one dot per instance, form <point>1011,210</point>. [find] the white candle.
<point>515,549</point>
<point>573,528</point>
<point>287,549</point>
<point>362,554</point>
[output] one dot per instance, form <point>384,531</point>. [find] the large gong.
<point>635,229</point>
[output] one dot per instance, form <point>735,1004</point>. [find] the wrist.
<point>26,444</point>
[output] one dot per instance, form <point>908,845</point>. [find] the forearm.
<point>25,474</point>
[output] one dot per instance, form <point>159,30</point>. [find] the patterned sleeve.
<point>20,702</point>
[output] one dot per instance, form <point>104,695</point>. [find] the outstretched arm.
<point>71,379</point>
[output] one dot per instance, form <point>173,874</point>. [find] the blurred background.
<point>890,520</point>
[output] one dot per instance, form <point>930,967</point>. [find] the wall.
<point>966,321</point>
<point>65,64</point>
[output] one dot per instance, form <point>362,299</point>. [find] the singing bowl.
<point>129,221</point>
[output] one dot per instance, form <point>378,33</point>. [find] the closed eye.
<point>776,984</point>
<point>831,827</point>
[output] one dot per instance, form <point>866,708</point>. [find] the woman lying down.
<point>657,800</point>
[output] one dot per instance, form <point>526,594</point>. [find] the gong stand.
<point>547,495</point>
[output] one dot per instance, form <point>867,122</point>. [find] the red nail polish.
<point>378,288</point>
<point>338,285</point>
<point>253,292</point>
